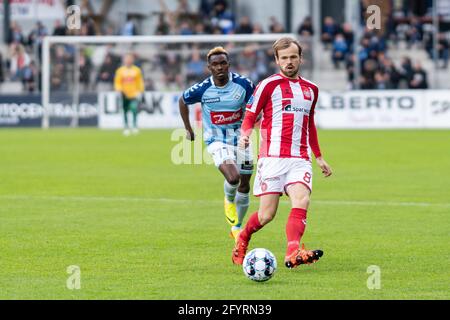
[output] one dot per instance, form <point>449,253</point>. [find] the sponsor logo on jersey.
<point>211,100</point>
<point>225,117</point>
<point>306,93</point>
<point>288,107</point>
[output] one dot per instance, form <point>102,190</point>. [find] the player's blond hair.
<point>216,50</point>
<point>284,43</point>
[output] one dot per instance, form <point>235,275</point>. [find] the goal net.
<point>78,73</point>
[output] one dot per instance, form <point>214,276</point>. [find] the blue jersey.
<point>223,108</point>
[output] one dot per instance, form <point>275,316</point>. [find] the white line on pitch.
<point>194,201</point>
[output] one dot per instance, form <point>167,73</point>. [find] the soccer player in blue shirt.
<point>223,97</point>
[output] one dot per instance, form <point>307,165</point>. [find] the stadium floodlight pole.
<point>75,40</point>
<point>356,43</point>
<point>76,87</point>
<point>6,20</point>
<point>45,82</point>
<point>288,14</point>
<point>314,6</point>
<point>435,42</point>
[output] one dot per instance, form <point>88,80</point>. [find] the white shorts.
<point>220,152</point>
<point>273,175</point>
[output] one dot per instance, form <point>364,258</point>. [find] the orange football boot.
<point>239,250</point>
<point>302,256</point>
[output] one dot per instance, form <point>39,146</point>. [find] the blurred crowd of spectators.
<point>377,68</point>
<point>179,67</point>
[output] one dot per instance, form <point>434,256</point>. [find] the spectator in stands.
<point>149,84</point>
<point>183,7</point>
<point>195,68</point>
<point>387,66</point>
<point>36,37</point>
<point>369,68</point>
<point>350,66</point>
<point>59,29</point>
<point>329,30</point>
<point>216,30</point>
<point>2,72</point>
<point>418,77</point>
<point>366,83</point>
<point>29,76</point>
<point>246,61</point>
<point>19,60</point>
<point>347,31</point>
<point>15,34</point>
<point>257,28</point>
<point>199,28</point>
<point>109,30</point>
<point>373,56</point>
<point>382,81</point>
<point>222,18</point>
<point>88,28</point>
<point>245,26</point>
<point>85,66</point>
<point>442,48</point>
<point>129,28</point>
<point>262,69</point>
<point>363,54</point>
<point>414,32</point>
<point>37,34</point>
<point>163,27</point>
<point>275,26</point>
<point>406,70</point>
<point>205,9</point>
<point>58,77</point>
<point>185,28</point>
<point>376,43</point>
<point>60,55</point>
<point>305,29</point>
<point>340,50</point>
<point>58,68</point>
<point>107,70</point>
<point>172,66</point>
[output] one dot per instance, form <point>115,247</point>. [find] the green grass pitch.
<point>140,227</point>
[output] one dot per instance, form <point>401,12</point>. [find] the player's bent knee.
<point>244,188</point>
<point>267,215</point>
<point>233,180</point>
<point>301,202</point>
<point>265,218</point>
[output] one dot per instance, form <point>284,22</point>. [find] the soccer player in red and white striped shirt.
<point>287,137</point>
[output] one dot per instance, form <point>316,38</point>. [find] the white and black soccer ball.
<point>259,264</point>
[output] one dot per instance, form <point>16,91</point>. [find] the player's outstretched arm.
<point>184,112</point>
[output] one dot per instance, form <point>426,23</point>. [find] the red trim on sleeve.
<point>313,139</point>
<point>261,96</point>
<point>248,123</point>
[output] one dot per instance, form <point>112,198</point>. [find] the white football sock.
<point>230,190</point>
<point>242,203</point>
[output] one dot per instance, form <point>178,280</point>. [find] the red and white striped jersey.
<point>287,126</point>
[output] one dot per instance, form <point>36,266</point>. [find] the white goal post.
<point>77,41</point>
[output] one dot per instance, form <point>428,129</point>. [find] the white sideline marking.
<point>215,202</point>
